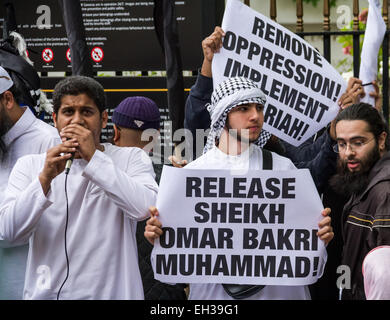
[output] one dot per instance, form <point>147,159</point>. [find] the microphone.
<point>69,162</point>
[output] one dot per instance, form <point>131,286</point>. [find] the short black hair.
<point>76,85</point>
<point>366,112</point>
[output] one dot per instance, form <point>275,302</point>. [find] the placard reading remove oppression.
<point>302,88</point>
<point>220,227</point>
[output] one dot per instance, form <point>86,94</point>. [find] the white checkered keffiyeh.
<point>229,94</point>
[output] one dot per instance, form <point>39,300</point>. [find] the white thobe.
<point>107,196</point>
<point>28,135</point>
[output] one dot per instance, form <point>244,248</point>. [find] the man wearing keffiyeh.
<point>228,95</point>
<point>235,142</point>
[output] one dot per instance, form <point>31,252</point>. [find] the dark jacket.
<point>366,224</point>
<point>154,289</point>
<point>317,156</point>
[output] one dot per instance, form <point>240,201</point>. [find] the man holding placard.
<point>318,157</point>
<point>235,143</point>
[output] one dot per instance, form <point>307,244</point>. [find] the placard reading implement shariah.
<point>302,88</point>
<point>220,227</point>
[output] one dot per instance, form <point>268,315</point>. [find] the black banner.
<point>120,35</point>
<point>72,14</point>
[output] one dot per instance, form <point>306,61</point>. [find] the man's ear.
<point>382,141</point>
<point>104,118</point>
<point>54,116</point>
<point>117,134</point>
<point>9,100</point>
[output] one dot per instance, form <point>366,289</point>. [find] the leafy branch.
<point>315,2</point>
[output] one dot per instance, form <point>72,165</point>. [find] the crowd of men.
<point>78,217</point>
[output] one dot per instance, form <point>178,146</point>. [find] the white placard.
<point>220,227</point>
<point>373,37</point>
<point>302,88</point>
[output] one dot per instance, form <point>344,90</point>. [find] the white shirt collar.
<point>20,127</point>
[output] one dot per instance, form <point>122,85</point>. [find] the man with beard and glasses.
<point>364,176</point>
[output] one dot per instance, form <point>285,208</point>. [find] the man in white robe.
<point>80,225</point>
<point>21,133</point>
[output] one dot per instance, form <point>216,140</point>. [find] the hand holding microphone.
<point>69,163</point>
<point>85,139</point>
<point>55,162</point>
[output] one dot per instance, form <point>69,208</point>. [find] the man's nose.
<point>349,152</point>
<point>77,118</point>
<point>254,113</point>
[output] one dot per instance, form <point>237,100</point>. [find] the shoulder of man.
<point>46,133</point>
<point>278,162</point>
<point>125,151</point>
<point>45,127</point>
<point>128,154</point>
<point>282,163</point>
<point>29,161</point>
<point>200,161</point>
<point>380,174</point>
<point>379,192</point>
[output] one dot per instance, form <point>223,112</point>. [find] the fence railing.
<point>326,34</point>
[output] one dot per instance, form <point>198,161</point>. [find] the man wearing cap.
<point>21,133</point>
<point>131,118</point>
<point>235,142</point>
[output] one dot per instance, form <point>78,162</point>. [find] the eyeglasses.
<point>342,147</point>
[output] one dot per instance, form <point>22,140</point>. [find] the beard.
<point>5,125</point>
<point>236,134</point>
<point>348,183</point>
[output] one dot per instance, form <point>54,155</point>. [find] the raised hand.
<point>153,226</point>
<point>55,161</point>
<point>211,45</point>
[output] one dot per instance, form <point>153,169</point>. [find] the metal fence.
<point>326,34</point>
